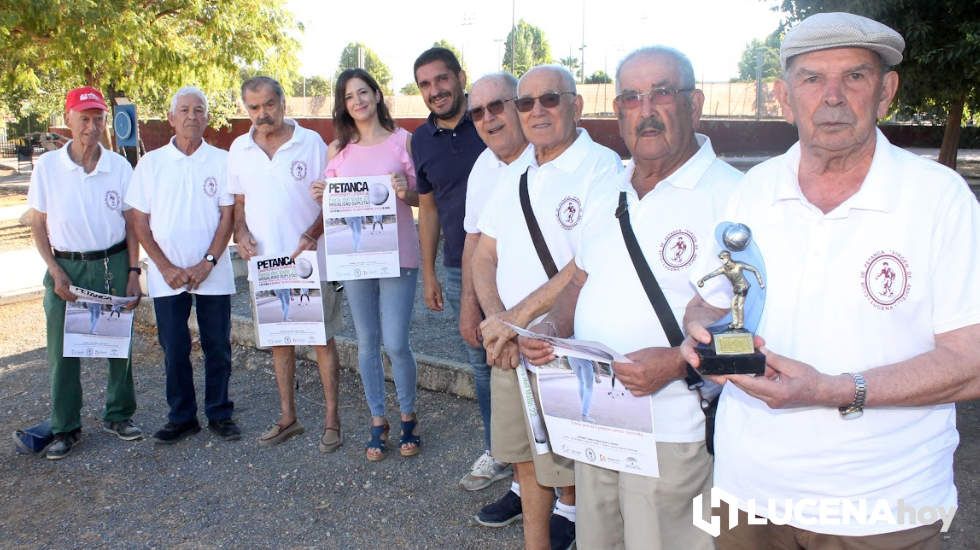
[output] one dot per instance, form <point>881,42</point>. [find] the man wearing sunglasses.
<point>492,111</point>
<point>565,167</point>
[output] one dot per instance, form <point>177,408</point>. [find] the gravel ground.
<point>204,492</point>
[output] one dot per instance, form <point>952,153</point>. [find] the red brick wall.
<point>729,137</point>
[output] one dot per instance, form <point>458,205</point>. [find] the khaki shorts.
<point>618,510</point>
<point>510,433</point>
<point>333,315</point>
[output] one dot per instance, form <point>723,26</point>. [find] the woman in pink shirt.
<point>369,144</point>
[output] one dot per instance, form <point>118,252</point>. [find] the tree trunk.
<point>951,136</point>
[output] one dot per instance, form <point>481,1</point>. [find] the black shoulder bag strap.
<point>536,237</point>
<point>672,329</point>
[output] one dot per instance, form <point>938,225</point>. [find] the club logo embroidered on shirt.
<point>678,250</point>
<point>885,279</point>
<point>210,186</point>
<point>298,170</point>
<point>569,212</point>
<point>112,200</point>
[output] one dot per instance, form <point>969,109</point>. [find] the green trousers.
<point>66,383</point>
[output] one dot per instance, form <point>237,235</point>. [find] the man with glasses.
<point>675,188</point>
<point>493,114</point>
<point>444,149</point>
<point>565,167</point>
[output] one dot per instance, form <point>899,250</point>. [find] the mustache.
<point>264,120</point>
<point>650,123</point>
<point>438,96</point>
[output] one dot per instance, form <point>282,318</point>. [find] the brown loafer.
<point>331,440</point>
<point>276,434</point>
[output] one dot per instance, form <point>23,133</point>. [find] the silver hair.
<point>684,67</point>
<point>506,80</point>
<point>188,90</point>
<point>567,80</point>
<point>256,82</point>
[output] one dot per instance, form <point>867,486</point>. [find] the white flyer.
<point>97,325</point>
<point>360,225</point>
<point>286,301</point>
<point>590,416</point>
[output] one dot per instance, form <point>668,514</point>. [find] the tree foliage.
<point>526,47</point>
<point>145,50</point>
<point>372,64</point>
<point>598,77</point>
<point>313,86</point>
<point>770,58</point>
<point>459,54</point>
<point>571,63</point>
<point>939,74</point>
<point>410,89</point>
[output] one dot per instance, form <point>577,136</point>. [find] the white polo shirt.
<point>84,211</point>
<point>867,284</point>
<point>674,225</point>
<point>278,205</point>
<point>183,195</point>
<point>484,177</point>
<point>558,192</point>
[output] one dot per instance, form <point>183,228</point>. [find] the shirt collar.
<point>177,154</point>
<point>521,158</point>
<point>296,137</point>
<point>569,159</point>
<point>101,166</point>
<point>436,129</point>
<point>874,193</point>
<point>689,174</point>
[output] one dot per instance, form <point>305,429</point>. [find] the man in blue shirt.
<point>444,149</point>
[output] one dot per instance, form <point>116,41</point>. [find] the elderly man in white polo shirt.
<point>76,199</point>
<point>871,320</point>
<point>270,171</point>
<point>674,188</point>
<point>182,214</point>
<point>567,165</point>
<point>491,108</point>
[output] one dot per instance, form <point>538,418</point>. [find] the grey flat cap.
<point>823,31</point>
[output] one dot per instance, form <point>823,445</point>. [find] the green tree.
<point>598,77</point>
<point>144,50</point>
<point>526,47</point>
<point>410,89</point>
<point>314,86</point>
<point>770,58</point>
<point>372,63</point>
<point>571,63</point>
<point>940,74</point>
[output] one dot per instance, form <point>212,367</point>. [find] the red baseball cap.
<point>84,98</point>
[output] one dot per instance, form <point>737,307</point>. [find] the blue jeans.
<point>476,357</point>
<point>214,321</point>
<point>586,379</point>
<point>382,311</point>
<point>284,295</point>
<point>355,229</point>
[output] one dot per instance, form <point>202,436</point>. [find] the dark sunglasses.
<point>549,100</point>
<point>494,108</point>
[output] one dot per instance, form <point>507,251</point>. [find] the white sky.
<point>712,33</point>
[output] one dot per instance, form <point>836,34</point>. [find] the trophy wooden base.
<point>730,352</point>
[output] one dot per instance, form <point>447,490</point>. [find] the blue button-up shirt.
<point>443,160</point>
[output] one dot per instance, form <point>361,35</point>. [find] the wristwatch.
<point>210,257</point>
<point>856,408</point>
<point>136,270</point>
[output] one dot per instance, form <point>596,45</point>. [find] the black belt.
<point>89,256</point>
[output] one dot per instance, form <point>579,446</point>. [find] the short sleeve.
<point>408,165</point>
<point>125,177</point>
<point>422,184</point>
<point>37,193</point>
<point>225,198</point>
<point>233,181</point>
<point>137,195</point>
<point>956,242</point>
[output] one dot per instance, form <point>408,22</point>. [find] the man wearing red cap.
<point>76,199</point>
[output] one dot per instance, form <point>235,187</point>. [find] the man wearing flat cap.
<point>76,199</point>
<point>870,336</point>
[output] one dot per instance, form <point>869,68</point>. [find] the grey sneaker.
<point>484,472</point>
<point>125,430</point>
<point>63,444</point>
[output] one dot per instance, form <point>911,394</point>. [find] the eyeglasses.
<point>494,108</point>
<point>548,100</point>
<point>631,99</point>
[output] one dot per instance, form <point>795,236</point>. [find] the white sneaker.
<point>484,472</point>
